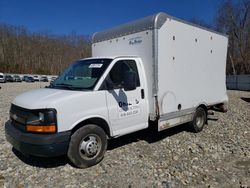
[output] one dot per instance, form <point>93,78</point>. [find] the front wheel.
<point>199,120</point>
<point>87,146</point>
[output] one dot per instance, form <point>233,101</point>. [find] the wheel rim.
<point>200,120</point>
<point>90,146</point>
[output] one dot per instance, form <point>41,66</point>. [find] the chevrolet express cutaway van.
<point>156,69</point>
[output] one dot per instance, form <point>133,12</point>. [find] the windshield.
<point>83,74</point>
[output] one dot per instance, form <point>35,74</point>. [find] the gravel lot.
<point>219,156</point>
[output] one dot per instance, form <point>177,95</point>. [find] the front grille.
<point>19,126</point>
<point>18,117</point>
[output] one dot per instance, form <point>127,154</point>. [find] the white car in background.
<point>36,78</point>
<point>17,78</point>
<point>2,78</point>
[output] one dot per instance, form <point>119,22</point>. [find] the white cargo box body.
<point>184,64</point>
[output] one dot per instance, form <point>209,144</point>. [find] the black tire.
<point>87,146</point>
<point>199,120</point>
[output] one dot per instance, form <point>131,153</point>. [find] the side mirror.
<point>129,81</point>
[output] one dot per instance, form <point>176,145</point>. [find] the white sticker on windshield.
<point>95,65</point>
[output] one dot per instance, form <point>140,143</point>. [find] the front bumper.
<point>43,145</point>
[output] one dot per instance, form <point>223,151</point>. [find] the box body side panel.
<point>191,67</point>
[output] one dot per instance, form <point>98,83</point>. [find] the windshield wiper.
<point>68,86</point>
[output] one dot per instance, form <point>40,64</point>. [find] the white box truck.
<point>157,69</point>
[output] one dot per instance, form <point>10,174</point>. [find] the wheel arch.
<point>99,121</point>
<point>204,106</point>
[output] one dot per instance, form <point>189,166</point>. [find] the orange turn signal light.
<point>41,128</point>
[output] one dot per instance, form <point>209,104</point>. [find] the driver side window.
<point>117,73</point>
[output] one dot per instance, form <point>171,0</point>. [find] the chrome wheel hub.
<point>199,120</point>
<point>90,147</point>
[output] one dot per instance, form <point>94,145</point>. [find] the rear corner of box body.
<point>191,66</point>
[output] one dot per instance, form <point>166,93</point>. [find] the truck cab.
<point>94,99</point>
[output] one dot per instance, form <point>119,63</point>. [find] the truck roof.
<point>110,57</point>
<point>148,23</point>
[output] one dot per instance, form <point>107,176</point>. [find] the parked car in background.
<point>9,78</point>
<point>24,78</point>
<point>44,79</point>
<point>2,78</point>
<point>17,78</point>
<point>29,79</point>
<point>36,78</point>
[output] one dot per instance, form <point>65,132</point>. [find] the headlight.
<point>41,116</point>
<point>42,121</point>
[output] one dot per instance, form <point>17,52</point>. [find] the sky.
<point>85,17</point>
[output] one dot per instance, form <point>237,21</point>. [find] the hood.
<point>44,98</point>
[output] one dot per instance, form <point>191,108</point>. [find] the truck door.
<point>128,109</point>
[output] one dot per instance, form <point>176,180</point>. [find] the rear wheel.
<point>87,146</point>
<point>199,120</point>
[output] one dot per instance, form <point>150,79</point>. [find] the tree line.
<point>38,53</point>
<point>233,18</point>
<point>22,51</point>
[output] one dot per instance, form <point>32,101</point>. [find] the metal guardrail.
<point>238,82</point>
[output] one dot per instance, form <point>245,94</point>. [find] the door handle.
<point>142,94</point>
